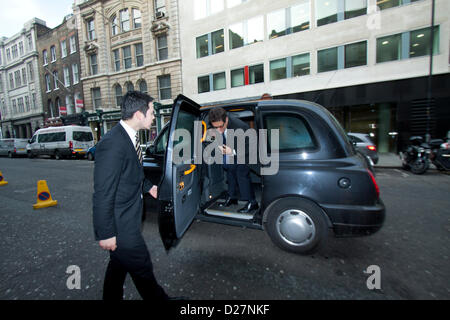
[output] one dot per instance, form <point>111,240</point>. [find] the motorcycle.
<point>440,154</point>
<point>416,156</point>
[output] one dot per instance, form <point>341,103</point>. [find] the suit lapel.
<point>128,142</point>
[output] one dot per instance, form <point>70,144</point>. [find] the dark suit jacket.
<point>118,185</point>
<point>235,123</point>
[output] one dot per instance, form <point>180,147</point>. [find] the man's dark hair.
<point>134,101</point>
<point>217,114</point>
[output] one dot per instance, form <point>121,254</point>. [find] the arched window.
<point>130,86</point>
<point>50,108</point>
<point>79,103</point>
<point>143,86</point>
<point>70,106</point>
<point>114,25</point>
<point>118,91</point>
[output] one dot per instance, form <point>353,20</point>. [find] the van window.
<point>82,136</point>
<point>33,140</point>
<point>294,132</point>
<point>162,143</point>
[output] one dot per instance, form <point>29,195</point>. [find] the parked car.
<point>60,142</point>
<point>13,147</point>
<point>322,184</point>
<point>365,145</point>
<point>91,153</point>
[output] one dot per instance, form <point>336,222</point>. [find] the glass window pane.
<point>217,41</point>
<point>255,30</point>
<point>219,81</point>
<point>300,17</point>
<point>256,74</point>
<point>354,8</point>
<point>300,65</point>
<point>236,34</point>
<point>237,78</point>
<point>356,54</point>
<point>118,91</point>
<point>389,48</point>
<point>199,9</point>
<point>127,57</point>
<point>216,6</point>
<point>143,86</point>
<point>202,46</point>
<point>278,69</point>
<point>326,11</point>
<point>327,60</point>
<point>420,42</point>
<point>203,84</point>
<point>386,4</point>
<point>276,23</point>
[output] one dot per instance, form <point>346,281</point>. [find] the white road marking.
<point>405,175</point>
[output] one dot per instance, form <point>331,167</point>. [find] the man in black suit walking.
<point>238,175</point>
<point>119,182</point>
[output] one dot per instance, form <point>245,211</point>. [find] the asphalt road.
<point>216,261</point>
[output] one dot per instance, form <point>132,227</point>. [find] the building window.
<point>139,54</point>
<point>330,11</point>
<point>118,92</point>
<point>96,97</point>
<point>247,75</point>
<point>129,85</point>
<point>73,44</point>
<point>50,107</point>
<point>75,75</point>
<point>14,103</point>
<point>209,44</point>
<point>20,105</point>
<point>8,54</point>
<point>126,52</point>
<point>33,100</point>
<point>386,4</point>
<point>164,87</point>
<point>93,63</point>
<point>48,83</point>
<point>356,54</point>
<point>233,3</point>
<point>163,51</point>
<point>17,78</point>
<point>90,29</point>
<point>14,51</point>
<point>11,81</point>
<point>45,57</point>
<point>21,48</point>
<point>116,54</point>
<point>246,32</point>
<point>278,69</point>
<point>27,103</point>
<point>289,20</point>
<point>203,84</point>
<point>63,49</point>
<point>114,25</point>
<point>124,20</point>
<point>55,79</point>
<point>1,83</point>
<point>219,81</point>
<point>407,45</point>
<point>301,65</point>
<point>53,53</point>
<point>327,60</point>
<point>143,86</point>
<point>204,8</point>
<point>30,43</point>
<point>137,21</point>
<point>66,76</point>
<point>160,8</point>
<point>30,71</point>
<point>24,76</point>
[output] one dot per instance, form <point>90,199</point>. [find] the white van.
<point>60,142</point>
<point>13,147</point>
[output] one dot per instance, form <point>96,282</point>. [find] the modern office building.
<point>367,61</point>
<point>127,45</point>
<point>59,74</point>
<point>21,106</point>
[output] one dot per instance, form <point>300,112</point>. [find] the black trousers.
<point>135,261</point>
<point>239,182</point>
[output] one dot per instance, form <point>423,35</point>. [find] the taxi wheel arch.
<point>297,225</point>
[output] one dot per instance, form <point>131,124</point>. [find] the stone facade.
<point>59,64</point>
<point>127,45</point>
<point>21,106</point>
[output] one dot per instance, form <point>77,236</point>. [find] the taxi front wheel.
<point>297,225</point>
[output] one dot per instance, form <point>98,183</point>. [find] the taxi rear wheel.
<point>297,225</point>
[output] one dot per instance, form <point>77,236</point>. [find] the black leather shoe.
<point>250,206</point>
<point>228,202</point>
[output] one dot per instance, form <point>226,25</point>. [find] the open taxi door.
<point>179,190</point>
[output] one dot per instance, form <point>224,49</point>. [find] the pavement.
<point>388,160</point>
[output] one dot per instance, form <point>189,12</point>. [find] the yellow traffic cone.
<point>44,198</point>
<point>2,180</point>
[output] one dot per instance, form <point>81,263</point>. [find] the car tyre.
<point>10,155</point>
<point>90,157</point>
<point>57,155</point>
<point>30,155</point>
<point>297,225</point>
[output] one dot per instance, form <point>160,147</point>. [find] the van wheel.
<point>57,155</point>
<point>10,154</point>
<point>297,225</point>
<point>30,155</point>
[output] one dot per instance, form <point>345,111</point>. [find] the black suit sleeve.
<point>147,185</point>
<point>107,172</point>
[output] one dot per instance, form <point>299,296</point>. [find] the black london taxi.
<point>322,184</point>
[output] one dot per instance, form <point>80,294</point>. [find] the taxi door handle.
<point>188,172</point>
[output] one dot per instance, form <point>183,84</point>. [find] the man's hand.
<point>154,192</point>
<point>226,150</point>
<point>108,244</point>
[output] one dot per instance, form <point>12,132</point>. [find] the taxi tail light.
<point>375,184</point>
<point>372,148</point>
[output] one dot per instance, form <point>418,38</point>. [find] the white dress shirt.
<point>131,132</point>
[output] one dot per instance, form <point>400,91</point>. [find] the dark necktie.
<point>224,142</point>
<point>137,146</point>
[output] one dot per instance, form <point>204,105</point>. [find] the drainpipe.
<point>428,135</point>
